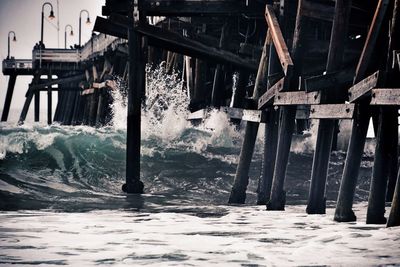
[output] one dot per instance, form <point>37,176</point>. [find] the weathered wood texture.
<point>278,40</point>
<point>372,37</point>
<point>363,88</point>
<point>386,97</point>
<point>332,111</point>
<point>297,98</point>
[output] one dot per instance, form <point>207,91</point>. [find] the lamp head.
<point>14,39</point>
<point>71,33</point>
<point>52,15</point>
<point>88,21</point>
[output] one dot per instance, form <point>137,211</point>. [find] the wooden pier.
<point>325,61</point>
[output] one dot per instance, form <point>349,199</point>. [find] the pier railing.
<point>96,46</point>
<point>17,65</point>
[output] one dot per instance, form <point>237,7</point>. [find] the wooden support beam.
<point>326,128</point>
<point>175,42</point>
<point>36,106</point>
<point>238,193</point>
<point>270,139</point>
<point>190,8</point>
<point>245,114</point>
<point>370,42</point>
<point>7,102</point>
<point>386,97</point>
<point>233,113</point>
<point>332,111</point>
<point>268,97</point>
<point>329,80</point>
<point>316,10</point>
<point>75,78</point>
<point>394,216</point>
<point>363,88</point>
<point>297,98</point>
<point>386,140</point>
<point>49,100</point>
<point>136,85</point>
<point>278,40</point>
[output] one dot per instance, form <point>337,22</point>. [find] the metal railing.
<point>97,45</point>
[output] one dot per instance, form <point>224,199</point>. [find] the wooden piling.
<point>394,216</point>
<point>344,212</point>
<point>49,99</point>
<point>7,102</point>
<point>238,193</point>
<point>136,84</point>
<point>387,138</point>
<point>287,113</point>
<point>28,99</point>
<point>326,128</point>
<point>377,196</point>
<point>37,106</point>
<point>219,75</point>
<point>271,132</point>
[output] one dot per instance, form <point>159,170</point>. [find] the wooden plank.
<point>197,115</point>
<point>371,39</point>
<point>364,87</point>
<point>245,114</point>
<point>268,97</point>
<point>328,81</point>
<point>297,98</point>
<point>278,40</point>
<point>386,97</point>
<point>332,111</point>
<point>233,113</point>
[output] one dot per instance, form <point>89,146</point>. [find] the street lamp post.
<point>80,23</point>
<point>51,16</point>
<point>65,34</point>
<point>14,40</point>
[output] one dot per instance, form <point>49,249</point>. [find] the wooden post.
<point>71,106</point>
<point>100,108</point>
<point>270,136</point>
<point>93,107</point>
<point>28,100</point>
<point>287,115</point>
<point>377,196</point>
<point>238,193</point>
<point>394,216</point>
<point>326,128</point>
<point>219,81</point>
<point>37,106</point>
<point>393,81</point>
<point>10,90</point>
<point>77,109</point>
<point>49,99</point>
<point>199,96</point>
<point>136,84</point>
<point>344,212</point>
<point>240,92</point>
<point>387,138</point>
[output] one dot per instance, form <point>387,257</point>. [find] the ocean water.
<point>61,201</point>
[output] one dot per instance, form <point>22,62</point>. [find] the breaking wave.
<point>80,167</point>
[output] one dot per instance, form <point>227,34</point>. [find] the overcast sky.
<point>23,17</point>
